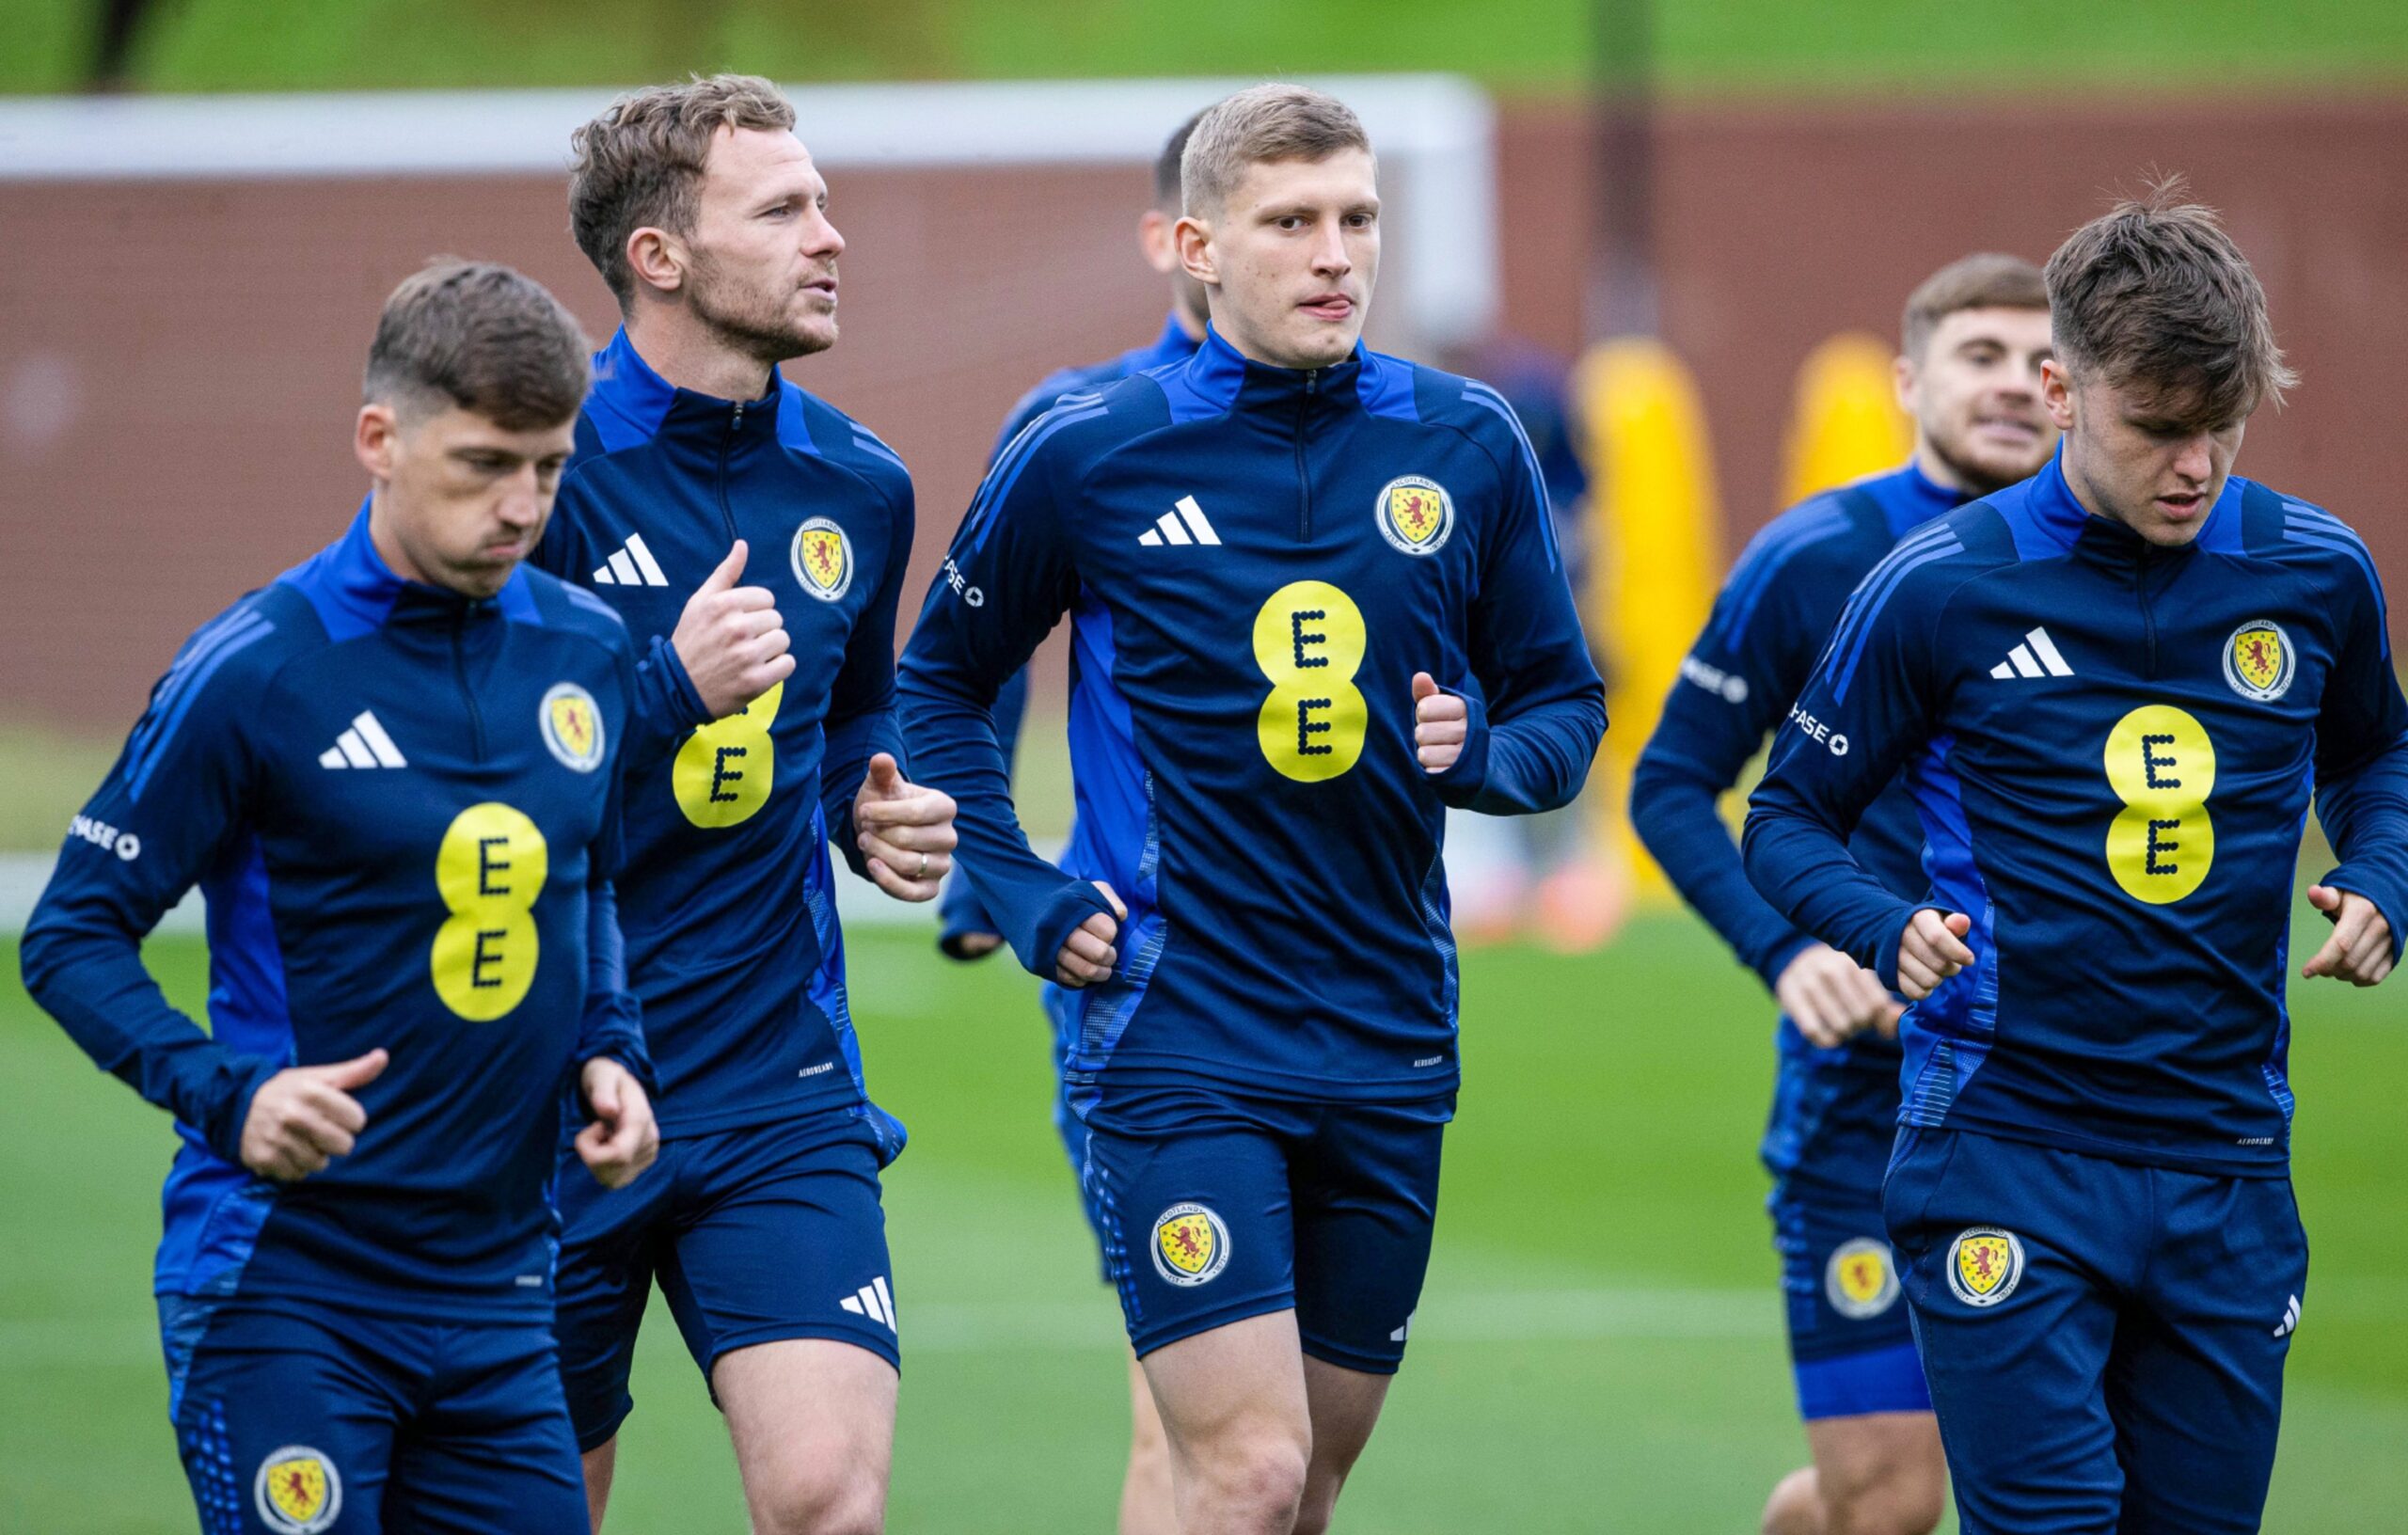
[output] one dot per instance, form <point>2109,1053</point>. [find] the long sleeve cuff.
<point>666,709</point>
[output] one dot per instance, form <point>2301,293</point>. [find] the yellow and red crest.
<point>298,1491</point>
<point>1415,515</point>
<point>572,727</point>
<point>1859,1280</point>
<point>1985,1264</point>
<point>1191,1245</point>
<point>823,559</point>
<point>2258,660</point>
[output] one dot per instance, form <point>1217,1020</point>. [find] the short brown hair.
<point>1166,191</point>
<point>483,337</point>
<point>1258,125</point>
<point>640,164</point>
<point>2154,293</point>
<point>1985,281</point>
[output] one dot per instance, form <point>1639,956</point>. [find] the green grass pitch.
<point>1599,1346</point>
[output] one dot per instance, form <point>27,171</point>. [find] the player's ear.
<point>1158,240</point>
<point>1902,379</point>
<point>375,439</point>
<point>1196,252</point>
<point>2056,393</point>
<point>657,259</point>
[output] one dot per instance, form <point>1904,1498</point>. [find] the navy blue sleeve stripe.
<point>1765,558</point>
<point>2304,524</point>
<point>229,642</point>
<point>871,445</point>
<point>1871,592</point>
<point>196,652</point>
<point>998,487</point>
<point>1481,394</point>
<point>1900,566</point>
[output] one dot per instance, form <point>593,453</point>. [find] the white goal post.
<point>1436,135</point>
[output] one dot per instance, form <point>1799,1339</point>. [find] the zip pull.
<point>736,423</point>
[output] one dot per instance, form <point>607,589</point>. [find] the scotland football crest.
<point>298,1491</point>
<point>1415,515</point>
<point>1985,1264</point>
<point>1859,1281</point>
<point>1191,1245</point>
<point>2258,660</point>
<point>822,558</point>
<point>572,727</point>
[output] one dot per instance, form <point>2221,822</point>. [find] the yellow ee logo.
<point>724,772</point>
<point>2163,766</point>
<point>491,866</point>
<point>1310,641</point>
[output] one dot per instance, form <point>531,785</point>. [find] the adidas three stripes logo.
<point>1185,524</point>
<point>872,1301</point>
<point>2037,657</point>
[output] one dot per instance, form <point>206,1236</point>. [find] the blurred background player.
<point>965,931</point>
<point>770,732</point>
<point>1972,342</point>
<point>394,771</point>
<point>2114,689</point>
<point>1271,552</point>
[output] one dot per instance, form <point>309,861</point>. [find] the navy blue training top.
<point>727,899</point>
<point>1256,560</point>
<point>1756,650</point>
<point>402,805</point>
<point>2113,748</point>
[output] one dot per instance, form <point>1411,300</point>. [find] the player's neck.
<point>1934,466</point>
<point>690,357</point>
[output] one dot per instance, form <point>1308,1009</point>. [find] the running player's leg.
<point>1365,1191</point>
<point>779,1280</point>
<point>1145,1507</point>
<point>2017,1259</point>
<point>492,1447</point>
<point>1877,1463</point>
<point>1235,1413</point>
<point>1145,1485</point>
<point>286,1417</point>
<point>2195,1385</point>
<point>611,1244</point>
<point>1190,1189</point>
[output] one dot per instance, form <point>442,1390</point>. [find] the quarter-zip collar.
<point>1219,378</point>
<point>355,593</point>
<point>1916,498</point>
<point>2063,525</point>
<point>631,403</point>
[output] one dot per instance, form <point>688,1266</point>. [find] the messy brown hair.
<point>481,337</point>
<point>2154,295</point>
<point>640,164</point>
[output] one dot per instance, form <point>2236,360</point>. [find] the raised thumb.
<point>730,570</point>
<point>1424,685</point>
<point>885,776</point>
<point>357,1072</point>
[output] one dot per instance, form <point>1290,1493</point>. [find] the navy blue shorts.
<point>1062,1012</point>
<point>1217,1208</point>
<point>2105,1340</point>
<point>1851,1341</point>
<point>295,1418</point>
<point>755,1235</point>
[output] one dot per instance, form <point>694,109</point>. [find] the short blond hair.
<point>1257,126</point>
<point>640,164</point>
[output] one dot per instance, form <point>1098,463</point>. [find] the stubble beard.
<point>746,325</point>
